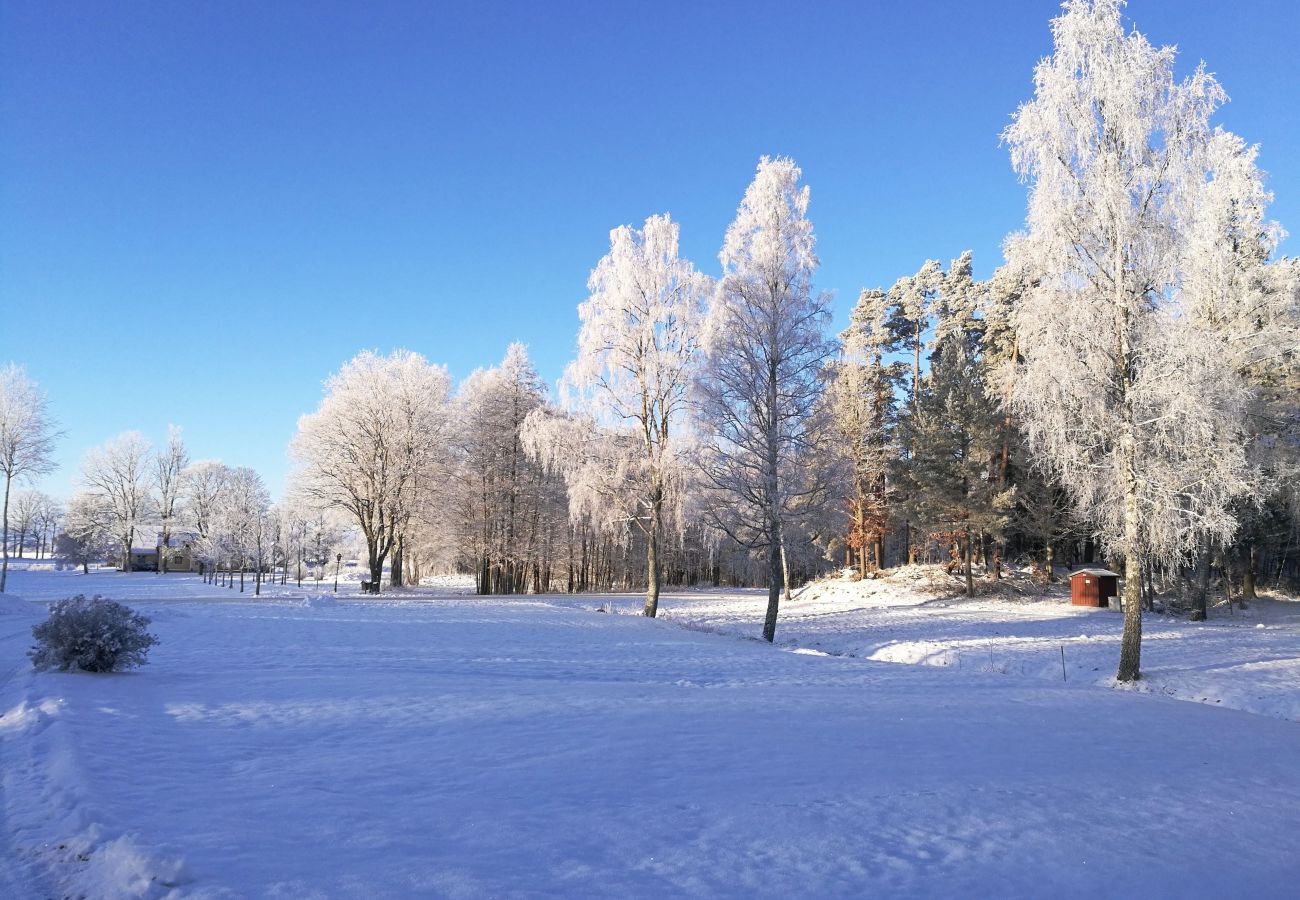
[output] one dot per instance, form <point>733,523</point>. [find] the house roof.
<point>1095,570</point>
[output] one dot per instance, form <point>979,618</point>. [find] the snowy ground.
<point>1248,660</point>
<point>443,745</point>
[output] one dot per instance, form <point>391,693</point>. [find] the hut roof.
<point>1094,570</point>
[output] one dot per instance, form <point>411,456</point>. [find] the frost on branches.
<point>375,445</point>
<point>1136,408</point>
<point>637,355</point>
<point>766,345</point>
<point>27,434</point>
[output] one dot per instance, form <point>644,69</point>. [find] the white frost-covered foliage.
<point>637,355</point>
<point>376,446</point>
<point>27,434</point>
<point>766,345</point>
<point>602,467</point>
<point>1121,391</point>
<point>117,475</point>
<point>94,635</point>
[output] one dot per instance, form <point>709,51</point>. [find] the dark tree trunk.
<point>4,538</point>
<point>774,580</point>
<point>970,578</point>
<point>1248,576</point>
<point>1201,586</point>
<point>395,571</point>
<point>652,557</point>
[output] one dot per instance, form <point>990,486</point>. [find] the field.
<point>438,744</point>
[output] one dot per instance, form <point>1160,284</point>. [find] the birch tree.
<point>1133,408</point>
<point>27,435</point>
<point>117,473</point>
<point>637,354</point>
<point>766,346</point>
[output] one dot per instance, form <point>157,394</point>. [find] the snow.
<point>450,745</point>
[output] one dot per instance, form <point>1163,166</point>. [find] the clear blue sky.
<point>207,207</point>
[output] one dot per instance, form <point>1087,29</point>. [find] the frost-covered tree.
<point>911,310</point>
<point>25,507</point>
<point>504,515</point>
<point>375,445</point>
<point>45,523</point>
<point>637,354</point>
<point>117,474</point>
<point>951,488</point>
<point>202,485</point>
<point>241,522</point>
<point>864,412</point>
<point>1136,410</point>
<point>166,472</point>
<point>601,467</point>
<point>1237,292</point>
<point>765,348</point>
<point>87,531</point>
<point>27,435</point>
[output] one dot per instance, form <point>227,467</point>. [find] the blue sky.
<point>207,207</point>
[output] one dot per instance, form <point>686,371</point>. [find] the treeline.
<point>1124,388</point>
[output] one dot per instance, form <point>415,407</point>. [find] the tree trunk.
<point>395,571</point>
<point>774,579</point>
<point>652,556</point>
<point>785,570</point>
<point>1201,586</point>
<point>970,578</point>
<point>4,538</point>
<point>1130,655</point>
<point>1248,576</point>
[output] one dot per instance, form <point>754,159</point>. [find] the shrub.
<point>94,635</point>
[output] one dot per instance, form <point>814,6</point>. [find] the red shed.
<point>1093,587</point>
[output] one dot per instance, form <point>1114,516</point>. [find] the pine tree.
<point>864,410</point>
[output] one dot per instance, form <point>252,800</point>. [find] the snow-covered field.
<point>437,744</point>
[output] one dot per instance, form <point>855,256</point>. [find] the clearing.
<point>436,744</point>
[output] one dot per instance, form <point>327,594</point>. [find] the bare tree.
<point>166,472</point>
<point>117,474</point>
<point>27,435</point>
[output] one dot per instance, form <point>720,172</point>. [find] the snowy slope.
<point>1248,660</point>
<point>483,748</point>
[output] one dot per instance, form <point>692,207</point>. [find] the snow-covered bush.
<point>94,635</point>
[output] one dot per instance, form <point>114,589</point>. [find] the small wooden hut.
<point>1093,587</point>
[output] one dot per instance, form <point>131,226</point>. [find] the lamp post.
<point>338,561</point>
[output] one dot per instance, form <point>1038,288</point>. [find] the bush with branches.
<point>94,635</point>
